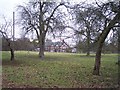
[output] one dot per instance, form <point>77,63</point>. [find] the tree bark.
<point>119,56</point>
<point>12,54</point>
<point>88,43</point>
<point>42,32</point>
<point>11,50</point>
<point>96,70</point>
<point>42,46</point>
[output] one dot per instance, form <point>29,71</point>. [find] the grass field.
<point>66,70</point>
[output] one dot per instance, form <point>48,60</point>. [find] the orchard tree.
<point>5,29</point>
<point>89,24</point>
<point>98,21</point>
<point>111,12</point>
<point>40,17</point>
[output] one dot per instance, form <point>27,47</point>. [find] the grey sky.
<point>8,6</point>
<point>6,9</point>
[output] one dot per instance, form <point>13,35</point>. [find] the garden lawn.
<point>59,70</point>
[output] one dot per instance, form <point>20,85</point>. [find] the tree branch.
<point>48,21</point>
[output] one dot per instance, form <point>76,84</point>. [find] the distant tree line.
<point>108,47</point>
<point>19,44</point>
<point>27,45</point>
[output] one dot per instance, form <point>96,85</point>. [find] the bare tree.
<point>39,16</point>
<point>111,12</point>
<point>4,28</point>
<point>89,24</point>
<point>102,18</point>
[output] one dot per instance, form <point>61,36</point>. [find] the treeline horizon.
<point>25,44</point>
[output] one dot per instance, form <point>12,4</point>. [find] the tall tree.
<point>88,22</point>
<point>111,11</point>
<point>39,16</point>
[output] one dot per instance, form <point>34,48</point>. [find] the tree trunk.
<point>11,51</point>
<point>41,51</point>
<point>96,70</point>
<point>12,54</point>
<point>119,46</point>
<point>119,56</point>
<point>42,46</point>
<point>88,43</point>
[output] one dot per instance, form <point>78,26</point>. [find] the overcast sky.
<point>6,9</point>
<point>8,6</point>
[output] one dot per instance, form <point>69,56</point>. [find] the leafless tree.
<point>6,27</point>
<point>40,17</point>
<point>98,20</point>
<point>111,12</point>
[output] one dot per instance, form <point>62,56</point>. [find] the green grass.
<point>58,70</point>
